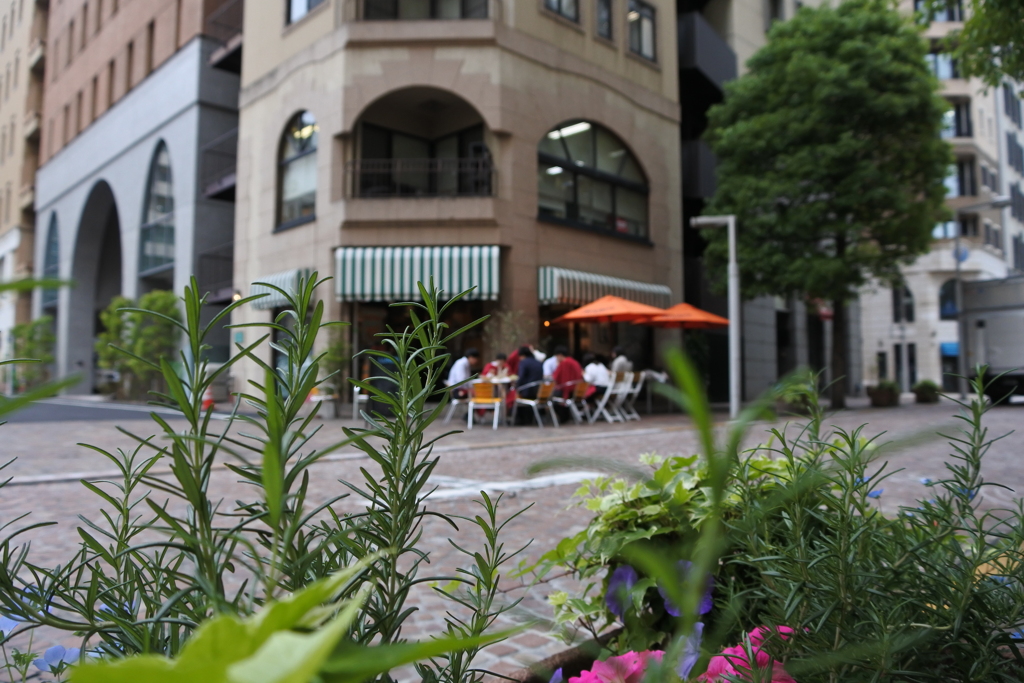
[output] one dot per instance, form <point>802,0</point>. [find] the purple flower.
<point>57,658</point>
<point>877,493</point>
<point>706,603</point>
<point>691,651</point>
<point>557,677</point>
<point>7,626</point>
<point>620,584</point>
<point>926,481</point>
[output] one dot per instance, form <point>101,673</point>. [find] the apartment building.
<point>527,149</point>
<point>22,60</point>
<point>136,187</point>
<point>911,333</point>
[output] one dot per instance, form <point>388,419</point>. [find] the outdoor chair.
<point>358,399</point>
<point>628,407</point>
<point>483,396</point>
<point>609,406</point>
<point>576,402</point>
<point>543,400</point>
<point>455,402</point>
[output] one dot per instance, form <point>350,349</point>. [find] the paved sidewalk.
<point>49,466</point>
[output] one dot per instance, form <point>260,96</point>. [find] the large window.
<point>156,242</point>
<point>956,123</point>
<point>604,18</point>
<point>961,180</point>
<point>567,8</point>
<point>424,9</point>
<point>51,263</point>
<point>947,300</point>
<point>641,26</point>
<point>297,161</point>
<point>586,177</point>
<point>902,305</point>
<point>300,8</point>
<point>943,65</point>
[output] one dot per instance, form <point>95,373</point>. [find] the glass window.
<point>156,241</point>
<point>51,262</point>
<point>587,177</point>
<point>604,18</point>
<point>567,8</point>
<point>298,170</point>
<point>641,28</point>
<point>943,65</point>
<point>902,305</point>
<point>300,8</point>
<point>944,231</point>
<point>376,10</point>
<point>947,300</point>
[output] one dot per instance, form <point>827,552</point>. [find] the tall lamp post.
<point>729,222</point>
<point>959,257</point>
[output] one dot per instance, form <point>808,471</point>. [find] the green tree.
<point>152,337</point>
<point>830,156</point>
<point>114,321</point>
<point>34,340</point>
<point>991,43</point>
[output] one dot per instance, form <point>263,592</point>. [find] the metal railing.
<point>225,22</point>
<point>219,163</point>
<point>371,178</point>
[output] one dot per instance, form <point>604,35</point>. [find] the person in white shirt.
<point>595,373</point>
<point>619,361</point>
<point>550,365</point>
<point>462,369</point>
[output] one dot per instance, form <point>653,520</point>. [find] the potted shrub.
<point>926,391</point>
<point>885,394</point>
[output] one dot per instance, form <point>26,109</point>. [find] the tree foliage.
<point>142,335</point>
<point>33,340</point>
<point>991,43</point>
<point>829,154</point>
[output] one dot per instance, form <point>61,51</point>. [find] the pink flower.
<point>627,668</point>
<point>733,661</point>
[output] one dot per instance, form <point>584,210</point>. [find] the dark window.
<point>641,26</point>
<point>51,262</point>
<point>297,169</point>
<point>566,8</point>
<point>773,12</point>
<point>1016,202</point>
<point>961,180</point>
<point>396,164</point>
<point>956,123</point>
<point>1011,103</point>
<point>943,65</point>
<point>1018,252</point>
<point>604,18</point>
<point>902,305</point>
<point>156,240</point>
<point>883,364</point>
<point>300,8</point>
<point>375,10</point>
<point>587,177</point>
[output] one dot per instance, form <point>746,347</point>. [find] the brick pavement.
<point>486,456</point>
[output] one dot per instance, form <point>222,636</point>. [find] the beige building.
<point>911,333</point>
<point>530,149</point>
<point>22,61</point>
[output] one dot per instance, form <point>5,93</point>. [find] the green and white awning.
<point>287,280</point>
<point>564,286</point>
<point>391,273</point>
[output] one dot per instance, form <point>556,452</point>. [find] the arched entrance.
<point>96,274</point>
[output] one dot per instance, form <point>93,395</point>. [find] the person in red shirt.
<point>567,373</point>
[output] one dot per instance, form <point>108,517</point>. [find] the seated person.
<point>462,369</point>
<point>620,363</point>
<point>567,373</point>
<point>530,372</point>
<point>595,374</point>
<point>550,365</point>
<point>497,367</point>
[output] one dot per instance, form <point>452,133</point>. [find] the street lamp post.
<point>961,329</point>
<point>729,222</point>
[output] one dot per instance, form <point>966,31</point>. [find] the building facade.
<point>22,61</point>
<point>136,188</point>
<point>528,149</point>
<point>910,333</point>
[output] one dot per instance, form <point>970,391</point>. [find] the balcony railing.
<point>218,166</point>
<point>225,22</point>
<point>372,178</point>
<point>377,10</point>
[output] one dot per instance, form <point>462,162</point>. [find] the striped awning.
<point>564,286</point>
<point>391,273</point>
<point>287,280</point>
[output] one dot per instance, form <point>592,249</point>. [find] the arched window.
<point>902,305</point>
<point>156,243</point>
<point>51,263</point>
<point>947,300</point>
<point>587,178</point>
<point>297,160</point>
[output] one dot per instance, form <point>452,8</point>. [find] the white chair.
<point>543,400</point>
<point>628,408</point>
<point>358,399</point>
<point>576,402</point>
<point>484,397</point>
<point>610,404</point>
<point>454,403</point>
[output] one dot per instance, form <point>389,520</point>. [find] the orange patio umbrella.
<point>610,309</point>
<point>686,316</point>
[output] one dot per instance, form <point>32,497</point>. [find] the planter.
<point>884,396</point>
<point>926,392</point>
<point>571,661</point>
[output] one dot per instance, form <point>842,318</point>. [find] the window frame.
<point>556,7</point>
<point>642,7</point>
<point>282,164</point>
<point>593,173</point>
<point>310,6</point>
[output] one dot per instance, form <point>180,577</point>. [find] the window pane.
<point>631,208</point>
<point>604,18</point>
<point>447,153</point>
<point>552,144</point>
<point>413,9</point>
<point>611,154</point>
<point>160,198</point>
<point>298,188</point>
<point>579,138</point>
<point>555,189</point>
<point>948,125</point>
<point>301,136</point>
<point>952,182</point>
<point>449,9</point>
<point>411,156</point>
<point>647,37</point>
<point>595,202</point>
